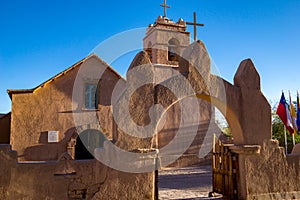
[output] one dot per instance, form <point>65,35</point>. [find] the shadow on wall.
<point>79,147</point>
<point>5,129</point>
<point>48,151</point>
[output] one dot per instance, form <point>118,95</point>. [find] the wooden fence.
<point>225,170</point>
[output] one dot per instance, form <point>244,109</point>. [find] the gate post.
<point>241,153</point>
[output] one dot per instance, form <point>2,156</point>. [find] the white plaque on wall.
<point>52,136</point>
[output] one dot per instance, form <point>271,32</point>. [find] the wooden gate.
<point>225,170</point>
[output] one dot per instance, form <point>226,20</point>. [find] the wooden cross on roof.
<point>165,7</point>
<point>195,26</point>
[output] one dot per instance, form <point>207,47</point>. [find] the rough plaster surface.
<point>269,174</point>
<point>68,179</point>
<point>241,103</point>
<point>296,149</point>
<point>32,112</point>
<point>127,186</point>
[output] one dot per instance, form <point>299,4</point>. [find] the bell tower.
<point>165,41</point>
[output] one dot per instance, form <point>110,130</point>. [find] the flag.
<point>284,114</point>
<point>293,114</point>
<point>298,112</point>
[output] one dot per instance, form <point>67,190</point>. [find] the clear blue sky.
<point>41,38</point>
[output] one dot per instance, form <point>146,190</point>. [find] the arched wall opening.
<point>227,112</point>
<point>86,142</point>
<point>223,107</point>
<point>183,181</point>
<point>173,50</point>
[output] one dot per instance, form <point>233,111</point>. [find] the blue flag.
<point>298,112</point>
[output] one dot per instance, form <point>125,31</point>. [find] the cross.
<point>165,7</point>
<point>195,26</point>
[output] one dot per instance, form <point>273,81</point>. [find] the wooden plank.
<point>224,170</point>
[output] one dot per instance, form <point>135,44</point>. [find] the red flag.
<point>284,113</point>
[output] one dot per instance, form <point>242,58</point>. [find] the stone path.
<point>186,183</point>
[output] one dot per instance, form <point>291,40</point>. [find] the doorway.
<point>86,142</point>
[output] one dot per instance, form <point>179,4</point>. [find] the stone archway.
<point>188,179</point>
<point>242,103</point>
<point>244,106</point>
<point>135,104</point>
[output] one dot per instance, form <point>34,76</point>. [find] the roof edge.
<point>10,92</point>
<point>108,66</point>
<point>23,91</point>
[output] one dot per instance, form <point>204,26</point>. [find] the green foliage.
<point>227,132</point>
<point>223,125</point>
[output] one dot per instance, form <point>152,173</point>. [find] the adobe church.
<point>49,141</point>
<point>54,129</point>
<point>41,124</point>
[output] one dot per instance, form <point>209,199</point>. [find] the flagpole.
<point>285,140</point>
<point>293,135</point>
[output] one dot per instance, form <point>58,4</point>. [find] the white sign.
<point>52,136</point>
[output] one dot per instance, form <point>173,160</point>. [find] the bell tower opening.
<point>149,50</point>
<point>173,50</point>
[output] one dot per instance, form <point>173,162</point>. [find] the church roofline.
<point>162,22</point>
<point>22,91</point>
<point>169,22</point>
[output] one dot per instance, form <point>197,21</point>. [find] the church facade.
<point>54,129</point>
<point>42,125</point>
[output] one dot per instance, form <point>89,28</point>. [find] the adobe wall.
<point>243,104</point>
<point>51,108</point>
<point>240,103</point>
<point>68,179</point>
<point>144,97</point>
<point>5,129</point>
<point>265,172</point>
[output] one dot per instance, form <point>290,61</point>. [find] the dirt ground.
<point>190,183</point>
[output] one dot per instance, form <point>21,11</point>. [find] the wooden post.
<point>156,185</point>
<point>293,136</point>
